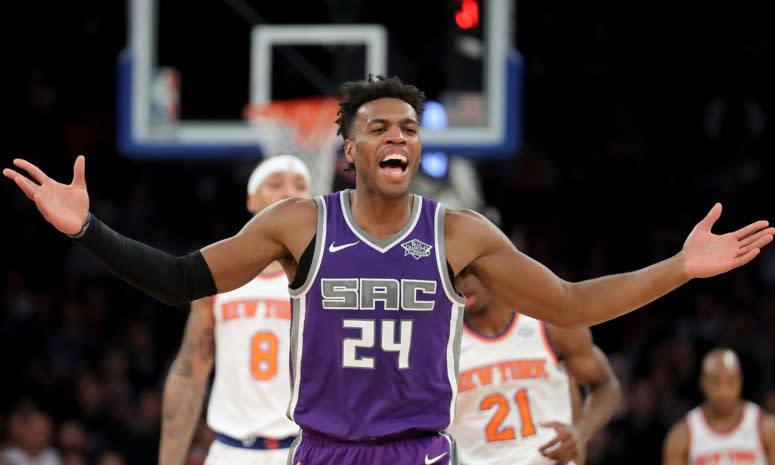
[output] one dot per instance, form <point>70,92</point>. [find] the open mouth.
<point>394,163</point>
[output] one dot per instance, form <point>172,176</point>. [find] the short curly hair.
<point>356,93</point>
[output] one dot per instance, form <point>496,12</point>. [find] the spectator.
<point>30,432</point>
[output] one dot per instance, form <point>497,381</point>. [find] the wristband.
<point>85,226</point>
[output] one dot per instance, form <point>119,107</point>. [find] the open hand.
<point>64,206</point>
<point>707,254</point>
<point>566,446</point>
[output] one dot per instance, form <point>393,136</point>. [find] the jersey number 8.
<point>263,355</point>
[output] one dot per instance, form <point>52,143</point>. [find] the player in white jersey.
<point>514,402</point>
<point>725,429</point>
<point>248,330</point>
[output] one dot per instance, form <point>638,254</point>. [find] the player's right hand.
<point>567,445</point>
<point>66,207</point>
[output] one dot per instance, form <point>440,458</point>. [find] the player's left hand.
<point>566,446</point>
<point>707,254</point>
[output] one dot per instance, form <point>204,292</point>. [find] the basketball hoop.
<point>302,127</point>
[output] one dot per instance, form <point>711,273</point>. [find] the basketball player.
<point>514,402</point>
<point>248,329</point>
<point>376,321</point>
<point>725,429</point>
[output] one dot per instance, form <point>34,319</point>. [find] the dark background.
<point>637,119</point>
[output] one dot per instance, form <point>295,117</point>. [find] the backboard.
<point>190,68</point>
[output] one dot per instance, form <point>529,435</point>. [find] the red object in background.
<point>468,14</point>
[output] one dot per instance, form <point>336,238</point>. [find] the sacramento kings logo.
<point>416,249</point>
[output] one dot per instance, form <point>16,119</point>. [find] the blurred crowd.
<point>628,142</point>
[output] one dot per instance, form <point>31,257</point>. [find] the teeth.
<point>395,156</point>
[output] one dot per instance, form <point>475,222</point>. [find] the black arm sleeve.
<point>170,279</point>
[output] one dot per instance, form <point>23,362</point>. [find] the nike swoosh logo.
<point>434,459</point>
<point>336,248</point>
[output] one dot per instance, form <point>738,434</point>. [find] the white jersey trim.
<point>317,256</point>
<point>299,307</point>
<point>294,447</point>
<point>344,200</point>
<point>453,354</point>
<point>441,257</point>
<point>458,305</point>
<point>453,459</point>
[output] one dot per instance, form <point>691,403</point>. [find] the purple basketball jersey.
<point>376,328</point>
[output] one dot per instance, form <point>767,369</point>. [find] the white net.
<point>305,128</point>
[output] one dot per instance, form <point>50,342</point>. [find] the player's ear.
<point>349,151</point>
<point>250,204</point>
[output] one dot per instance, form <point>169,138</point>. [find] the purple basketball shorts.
<point>312,449</point>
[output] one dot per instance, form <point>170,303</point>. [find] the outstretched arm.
<point>280,232</point>
<point>676,448</point>
<point>476,246</point>
<point>184,390</point>
<point>586,363</point>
